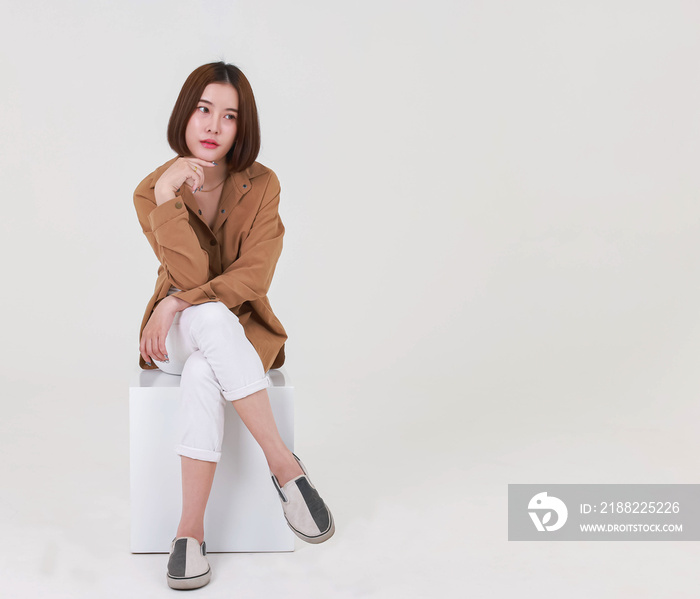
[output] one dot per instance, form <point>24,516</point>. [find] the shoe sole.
<point>193,582</point>
<point>315,540</point>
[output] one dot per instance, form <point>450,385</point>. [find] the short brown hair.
<point>247,143</point>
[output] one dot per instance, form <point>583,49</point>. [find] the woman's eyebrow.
<point>208,102</point>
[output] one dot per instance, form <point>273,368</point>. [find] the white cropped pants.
<point>207,347</point>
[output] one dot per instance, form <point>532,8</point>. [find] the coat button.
<point>212,242</point>
<point>244,185</point>
<point>178,204</point>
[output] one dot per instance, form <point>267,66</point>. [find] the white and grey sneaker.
<point>306,513</point>
<point>188,567</point>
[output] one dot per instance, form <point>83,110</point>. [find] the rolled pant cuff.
<point>198,454</point>
<point>263,383</point>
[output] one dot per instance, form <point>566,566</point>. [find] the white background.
<point>490,276</point>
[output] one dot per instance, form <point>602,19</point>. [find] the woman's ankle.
<point>191,531</point>
<point>285,468</point>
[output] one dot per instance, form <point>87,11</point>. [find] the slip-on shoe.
<point>306,513</point>
<point>188,566</point>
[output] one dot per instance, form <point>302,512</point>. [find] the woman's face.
<point>214,120</point>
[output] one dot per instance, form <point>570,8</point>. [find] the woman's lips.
<point>209,145</point>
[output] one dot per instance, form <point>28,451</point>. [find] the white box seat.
<point>244,511</point>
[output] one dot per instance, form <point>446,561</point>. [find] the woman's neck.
<point>215,175</point>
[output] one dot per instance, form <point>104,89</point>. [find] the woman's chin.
<point>209,156</point>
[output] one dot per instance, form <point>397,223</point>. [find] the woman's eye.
<point>204,109</point>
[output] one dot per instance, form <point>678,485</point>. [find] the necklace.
<point>213,188</point>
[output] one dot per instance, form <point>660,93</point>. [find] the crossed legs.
<point>198,475</point>
<point>208,347</point>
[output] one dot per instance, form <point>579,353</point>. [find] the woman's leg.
<point>202,428</point>
<point>256,413</point>
<point>197,478</point>
<point>198,475</point>
<point>222,365</point>
<point>235,364</point>
<point>201,422</point>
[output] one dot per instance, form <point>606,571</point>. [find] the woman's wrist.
<point>180,303</point>
<point>162,195</point>
<point>174,304</point>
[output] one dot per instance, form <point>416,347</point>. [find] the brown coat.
<point>232,263</point>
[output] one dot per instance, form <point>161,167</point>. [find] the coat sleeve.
<point>167,228</point>
<point>249,276</point>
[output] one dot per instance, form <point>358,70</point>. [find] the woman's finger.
<point>157,348</point>
<point>152,349</point>
<point>196,163</point>
<point>163,348</point>
<point>142,351</point>
<point>194,182</point>
<point>190,182</point>
<point>199,161</point>
<point>197,175</point>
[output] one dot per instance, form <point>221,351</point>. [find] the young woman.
<point>211,217</point>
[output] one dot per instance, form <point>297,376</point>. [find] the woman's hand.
<point>157,327</point>
<point>187,170</point>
